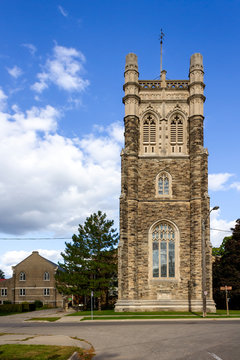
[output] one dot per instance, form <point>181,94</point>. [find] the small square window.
<point>22,276</point>
<point>46,276</point>
<point>46,292</point>
<point>22,292</point>
<point>3,292</point>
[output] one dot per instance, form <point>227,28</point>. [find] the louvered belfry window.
<point>176,133</point>
<point>149,130</point>
<point>173,132</point>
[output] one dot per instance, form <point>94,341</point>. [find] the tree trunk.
<point>99,303</point>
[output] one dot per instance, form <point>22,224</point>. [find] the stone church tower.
<point>164,193</point>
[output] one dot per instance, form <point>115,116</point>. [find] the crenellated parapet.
<point>170,84</point>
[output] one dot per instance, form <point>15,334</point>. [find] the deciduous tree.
<point>2,275</point>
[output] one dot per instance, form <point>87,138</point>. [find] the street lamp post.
<point>204,290</point>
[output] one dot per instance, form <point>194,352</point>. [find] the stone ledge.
<point>163,305</point>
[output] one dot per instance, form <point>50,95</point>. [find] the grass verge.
<point>50,319</point>
<point>41,352</point>
<point>112,315</point>
<point>171,314</point>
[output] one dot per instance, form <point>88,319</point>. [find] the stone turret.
<point>131,87</point>
<point>196,85</point>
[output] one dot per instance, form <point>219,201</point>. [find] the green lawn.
<point>112,312</point>
<point>112,315</point>
<point>41,352</point>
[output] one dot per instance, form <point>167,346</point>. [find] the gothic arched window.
<point>22,276</point>
<point>163,184</point>
<point>176,134</point>
<point>149,130</point>
<point>163,238</point>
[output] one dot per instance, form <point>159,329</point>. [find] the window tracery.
<point>176,134</point>
<point>163,184</point>
<point>163,238</point>
<point>149,133</point>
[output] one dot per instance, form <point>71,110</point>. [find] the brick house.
<point>33,279</point>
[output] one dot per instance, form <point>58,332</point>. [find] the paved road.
<point>148,340</point>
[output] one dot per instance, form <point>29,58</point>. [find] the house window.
<point>163,251</point>
<point>3,292</point>
<point>46,292</point>
<point>22,292</point>
<point>22,276</point>
<point>163,184</point>
<point>46,276</point>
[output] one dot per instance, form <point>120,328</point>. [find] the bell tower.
<point>164,193</point>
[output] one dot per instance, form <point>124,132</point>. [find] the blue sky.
<point>61,113</point>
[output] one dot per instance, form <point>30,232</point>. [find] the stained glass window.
<point>163,184</point>
<point>163,251</point>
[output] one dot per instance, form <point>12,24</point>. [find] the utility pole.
<point>204,290</point>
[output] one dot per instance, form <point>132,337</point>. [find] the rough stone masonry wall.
<point>152,209</point>
<point>129,211</point>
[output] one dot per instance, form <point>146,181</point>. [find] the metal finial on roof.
<point>161,42</point>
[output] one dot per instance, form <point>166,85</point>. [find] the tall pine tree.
<point>89,260</point>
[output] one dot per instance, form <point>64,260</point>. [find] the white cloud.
<point>218,181</point>
<point>12,258</point>
<point>3,99</point>
<point>219,225</point>
<point>49,182</point>
<point>15,71</point>
<point>63,69</point>
<point>32,48</point>
<point>62,11</point>
<point>235,185</point>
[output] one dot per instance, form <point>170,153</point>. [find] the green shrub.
<point>7,302</point>
<point>8,308</point>
<point>32,307</point>
<point>38,303</point>
<point>25,306</point>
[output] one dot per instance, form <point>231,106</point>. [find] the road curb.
<point>74,356</point>
<point>182,319</point>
